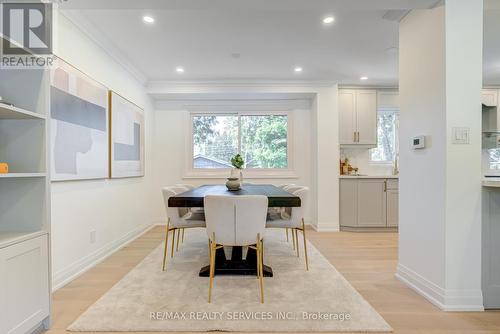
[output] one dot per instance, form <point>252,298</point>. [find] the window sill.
<point>224,174</point>
<point>381,163</point>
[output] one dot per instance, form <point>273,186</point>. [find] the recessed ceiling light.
<point>363,78</point>
<point>328,19</point>
<point>297,69</point>
<point>148,19</point>
<point>179,69</point>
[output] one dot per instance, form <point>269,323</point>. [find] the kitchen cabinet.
<point>489,97</point>
<point>491,245</point>
<point>369,203</point>
<point>24,285</point>
<point>358,117</point>
<point>348,203</point>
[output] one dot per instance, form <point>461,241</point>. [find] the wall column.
<point>326,151</point>
<point>440,185</point>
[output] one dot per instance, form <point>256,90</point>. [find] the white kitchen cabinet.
<point>348,203</point>
<point>347,116</point>
<point>369,203</point>
<point>392,207</point>
<point>358,117</point>
<point>489,97</point>
<point>24,285</point>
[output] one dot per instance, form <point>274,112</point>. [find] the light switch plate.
<point>460,136</point>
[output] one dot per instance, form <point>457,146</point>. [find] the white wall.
<point>117,210</point>
<point>440,218</point>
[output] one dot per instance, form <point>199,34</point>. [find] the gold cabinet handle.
<point>354,135</point>
<point>385,186</point>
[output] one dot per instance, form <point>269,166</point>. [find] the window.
<point>262,140</point>
<point>387,137</point>
<point>494,159</point>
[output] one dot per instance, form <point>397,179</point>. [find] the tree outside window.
<point>262,140</point>
<point>387,136</point>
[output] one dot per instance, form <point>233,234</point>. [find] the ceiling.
<point>260,39</point>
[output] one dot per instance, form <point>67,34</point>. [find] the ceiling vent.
<point>395,15</point>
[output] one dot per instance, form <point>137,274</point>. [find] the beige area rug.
<point>296,300</point>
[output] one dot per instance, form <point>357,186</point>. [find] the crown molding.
<point>96,36</point>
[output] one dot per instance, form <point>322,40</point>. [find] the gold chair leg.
<point>260,269</point>
<point>166,246</point>
<point>297,240</point>
<point>178,238</point>
<point>293,238</point>
<point>173,243</point>
<point>212,268</point>
<point>305,243</point>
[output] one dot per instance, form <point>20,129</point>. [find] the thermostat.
<point>418,142</point>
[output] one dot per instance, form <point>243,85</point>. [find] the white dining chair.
<point>185,185</point>
<point>294,220</point>
<point>288,187</point>
<point>236,221</point>
<point>194,210</point>
<point>178,220</point>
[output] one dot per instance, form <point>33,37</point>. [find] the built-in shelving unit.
<point>20,175</point>
<point>11,112</point>
<point>24,201</point>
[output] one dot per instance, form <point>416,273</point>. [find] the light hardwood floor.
<point>368,262</point>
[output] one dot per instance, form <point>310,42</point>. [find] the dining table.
<point>236,264</point>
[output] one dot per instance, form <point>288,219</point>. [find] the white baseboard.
<point>66,275</point>
<point>325,227</point>
<point>445,299</point>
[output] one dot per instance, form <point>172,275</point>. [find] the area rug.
<point>296,300</point>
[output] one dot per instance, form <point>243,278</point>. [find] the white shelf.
<point>21,175</point>
<point>11,238</point>
<point>11,112</point>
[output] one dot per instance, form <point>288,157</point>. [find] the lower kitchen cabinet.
<point>369,204</point>
<point>24,286</point>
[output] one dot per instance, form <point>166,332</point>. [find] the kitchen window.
<point>494,159</point>
<point>261,139</point>
<point>387,137</point>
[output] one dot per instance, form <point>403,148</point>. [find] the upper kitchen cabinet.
<point>358,117</point>
<point>489,97</point>
<point>490,114</point>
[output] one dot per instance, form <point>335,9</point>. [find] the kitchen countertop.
<point>373,177</point>
<point>491,182</point>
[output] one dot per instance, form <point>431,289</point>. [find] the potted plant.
<point>238,165</point>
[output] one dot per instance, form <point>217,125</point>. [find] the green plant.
<point>237,161</point>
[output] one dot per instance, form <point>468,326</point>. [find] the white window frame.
<point>251,173</point>
<point>396,140</point>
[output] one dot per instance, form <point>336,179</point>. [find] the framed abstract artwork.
<point>79,125</point>
<point>126,138</point>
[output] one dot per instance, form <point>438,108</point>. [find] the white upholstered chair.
<point>178,220</point>
<point>294,220</point>
<point>185,185</point>
<point>288,187</point>
<point>236,221</point>
<point>194,210</point>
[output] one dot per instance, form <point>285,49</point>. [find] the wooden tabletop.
<point>194,198</point>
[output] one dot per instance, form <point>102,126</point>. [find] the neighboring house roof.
<point>201,161</point>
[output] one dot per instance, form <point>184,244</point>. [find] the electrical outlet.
<point>93,236</point>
